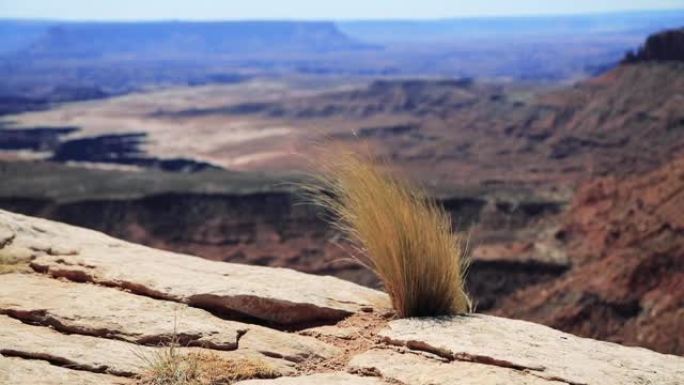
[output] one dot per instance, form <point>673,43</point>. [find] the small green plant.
<point>401,234</point>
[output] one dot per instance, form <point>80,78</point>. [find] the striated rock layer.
<point>625,237</point>
<point>229,289</point>
<point>35,372</point>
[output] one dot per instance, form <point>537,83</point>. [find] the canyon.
<point>570,195</point>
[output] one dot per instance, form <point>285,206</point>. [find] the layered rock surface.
<point>36,372</point>
<point>92,308</point>
<point>534,349</point>
<point>269,295</point>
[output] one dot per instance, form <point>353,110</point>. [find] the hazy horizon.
<point>308,10</point>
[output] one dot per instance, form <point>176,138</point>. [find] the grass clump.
<point>402,235</point>
<point>171,366</point>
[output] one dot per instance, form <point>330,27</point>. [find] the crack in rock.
<point>42,318</point>
<point>6,238</point>
<point>17,370</point>
<point>227,307</point>
<point>461,356</point>
<point>65,363</point>
<point>222,306</point>
<point>374,372</point>
<point>537,371</point>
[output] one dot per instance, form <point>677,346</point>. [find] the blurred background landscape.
<point>553,134</point>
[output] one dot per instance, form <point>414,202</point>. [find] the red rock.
<point>625,239</point>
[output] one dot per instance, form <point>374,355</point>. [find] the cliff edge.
<point>80,307</point>
<point>663,46</point>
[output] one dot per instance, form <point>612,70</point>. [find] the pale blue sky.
<point>309,9</point>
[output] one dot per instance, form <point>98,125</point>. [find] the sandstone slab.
<point>100,355</point>
<point>74,351</point>
<point>288,346</point>
<point>546,352</point>
<point>111,313</point>
<point>269,294</point>
<point>36,372</point>
<point>413,369</point>
<point>318,379</point>
<point>107,312</point>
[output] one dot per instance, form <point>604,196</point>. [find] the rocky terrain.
<point>625,238</point>
<point>570,195</point>
<point>79,307</point>
<point>449,133</point>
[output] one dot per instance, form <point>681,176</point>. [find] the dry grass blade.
<point>403,236</point>
<point>170,365</point>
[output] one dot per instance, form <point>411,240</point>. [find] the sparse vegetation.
<point>10,263</point>
<point>172,366</point>
<point>402,235</point>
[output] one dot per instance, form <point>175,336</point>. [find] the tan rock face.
<point>269,294</point>
<point>34,372</point>
<point>74,351</point>
<point>111,313</point>
<point>410,368</point>
<point>537,349</point>
<point>318,379</point>
<point>94,354</point>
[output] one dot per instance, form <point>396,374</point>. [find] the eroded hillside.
<point>625,237</point>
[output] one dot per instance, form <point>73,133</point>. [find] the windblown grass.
<point>401,234</point>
